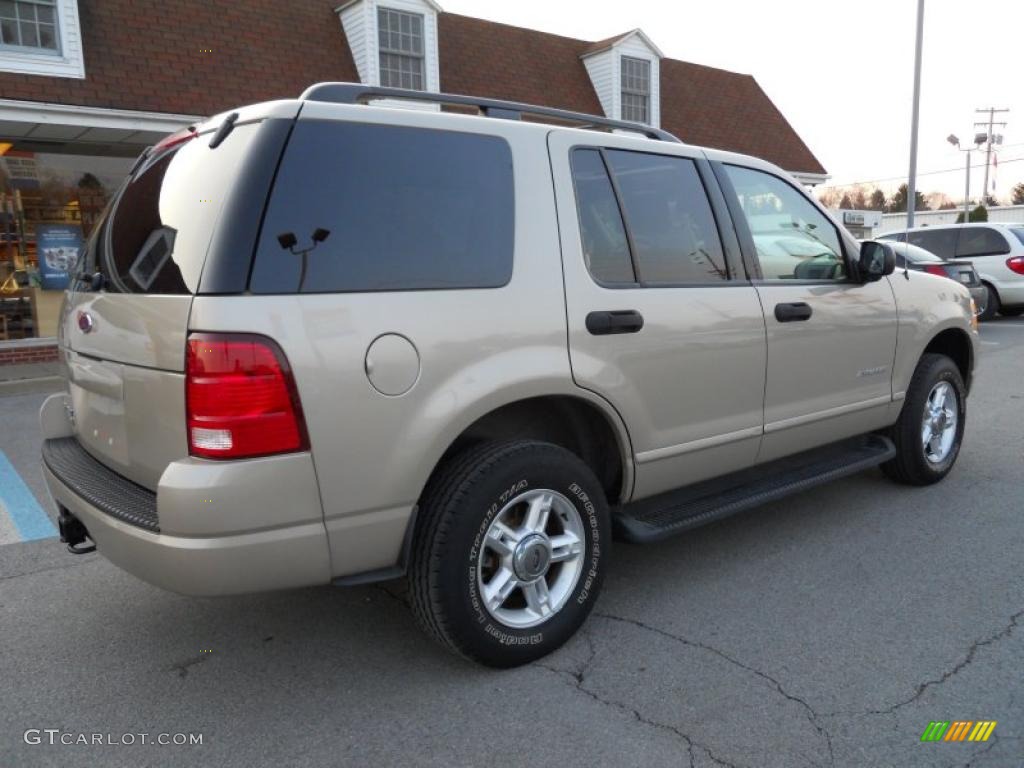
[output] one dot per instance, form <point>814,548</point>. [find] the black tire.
<point>1011,311</point>
<point>911,466</point>
<point>992,305</point>
<point>456,509</point>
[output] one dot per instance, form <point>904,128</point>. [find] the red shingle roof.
<point>700,105</point>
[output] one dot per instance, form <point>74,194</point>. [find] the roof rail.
<point>356,93</point>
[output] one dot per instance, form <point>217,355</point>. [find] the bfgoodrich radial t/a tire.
<point>931,424</point>
<point>510,552</point>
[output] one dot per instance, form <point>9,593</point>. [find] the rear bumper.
<point>222,529</point>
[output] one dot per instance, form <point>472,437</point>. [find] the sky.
<point>841,72</point>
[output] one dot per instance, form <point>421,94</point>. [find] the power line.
<point>925,173</point>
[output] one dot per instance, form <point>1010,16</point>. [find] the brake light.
<point>935,269</point>
<point>174,139</point>
<point>240,398</point>
<point>1016,264</point>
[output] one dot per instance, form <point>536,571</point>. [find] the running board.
<point>659,517</point>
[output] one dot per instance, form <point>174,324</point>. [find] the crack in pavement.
<point>812,715</point>
<point>64,567</point>
<point>576,680</point>
<point>959,667</point>
<point>182,667</point>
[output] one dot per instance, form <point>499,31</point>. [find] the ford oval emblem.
<point>85,322</point>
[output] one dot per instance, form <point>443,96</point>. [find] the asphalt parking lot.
<point>828,629</point>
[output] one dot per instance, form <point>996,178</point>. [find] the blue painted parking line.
<point>28,517</point>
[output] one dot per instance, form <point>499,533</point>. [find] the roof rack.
<point>356,93</point>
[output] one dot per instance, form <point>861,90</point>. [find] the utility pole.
<point>912,181</point>
<point>992,111</point>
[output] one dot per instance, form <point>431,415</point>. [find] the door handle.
<point>618,321</point>
<point>788,313</point>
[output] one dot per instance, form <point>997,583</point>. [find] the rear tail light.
<point>241,399</point>
<point>174,139</point>
<point>1016,264</point>
<point>935,269</point>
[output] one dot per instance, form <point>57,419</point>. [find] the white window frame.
<point>69,61</point>
<point>420,58</point>
<point>625,61</point>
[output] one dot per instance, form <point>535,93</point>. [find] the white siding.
<point>70,62</point>
<point>601,68</point>
<point>353,22</point>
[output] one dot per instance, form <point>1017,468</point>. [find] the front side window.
<point>636,90</point>
<point>793,239</point>
<point>981,241</point>
<point>403,208</point>
<point>400,36</point>
<point>29,25</point>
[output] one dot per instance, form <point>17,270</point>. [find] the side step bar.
<point>659,517</point>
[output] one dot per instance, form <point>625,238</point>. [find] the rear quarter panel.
<point>477,349</point>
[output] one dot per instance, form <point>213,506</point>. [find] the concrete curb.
<point>29,386</point>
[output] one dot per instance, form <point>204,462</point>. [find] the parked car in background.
<point>996,250</point>
<point>917,259</point>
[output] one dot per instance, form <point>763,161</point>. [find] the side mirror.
<point>876,261</point>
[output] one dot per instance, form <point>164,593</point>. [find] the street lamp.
<point>979,139</point>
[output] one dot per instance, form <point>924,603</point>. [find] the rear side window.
<point>404,208</point>
<point>941,242</point>
<point>605,248</point>
<point>981,241</point>
<point>899,237</point>
<point>669,218</point>
<point>651,212</point>
<point>155,235</point>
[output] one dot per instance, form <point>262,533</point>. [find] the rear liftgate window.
<point>385,208</point>
<point>155,235</point>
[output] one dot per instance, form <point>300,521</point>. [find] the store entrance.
<point>51,197</point>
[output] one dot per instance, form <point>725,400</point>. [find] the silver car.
<point>321,341</point>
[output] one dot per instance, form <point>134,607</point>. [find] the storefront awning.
<point>42,127</point>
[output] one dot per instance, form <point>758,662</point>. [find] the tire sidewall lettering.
<point>584,590</point>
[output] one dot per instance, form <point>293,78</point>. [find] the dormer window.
<point>636,89</point>
<point>401,49</point>
<point>29,26</point>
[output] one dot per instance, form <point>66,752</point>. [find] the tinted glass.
<point>981,241</point>
<point>405,208</point>
<point>605,249</point>
<point>794,240</point>
<point>900,237</point>
<point>155,234</point>
<point>1018,233</point>
<point>939,242</point>
<point>916,255</point>
<point>669,219</point>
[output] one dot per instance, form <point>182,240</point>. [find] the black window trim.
<point>703,174</point>
<point>750,261</point>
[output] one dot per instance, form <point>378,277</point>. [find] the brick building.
<point>86,85</point>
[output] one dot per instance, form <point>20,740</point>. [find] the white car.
<point>997,251</point>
